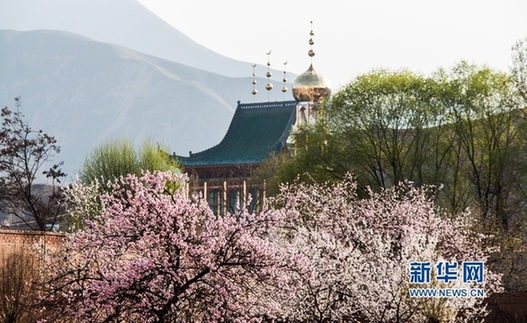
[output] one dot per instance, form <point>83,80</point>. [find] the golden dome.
<point>311,86</point>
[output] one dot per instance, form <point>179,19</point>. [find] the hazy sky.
<point>351,36</point>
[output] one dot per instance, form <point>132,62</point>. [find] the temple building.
<point>227,175</point>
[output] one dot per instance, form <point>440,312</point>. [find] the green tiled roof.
<point>256,130</point>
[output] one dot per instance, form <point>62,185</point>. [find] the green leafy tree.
<point>116,158</point>
<point>384,126</point>
<point>317,158</point>
<point>463,129</point>
<point>488,122</point>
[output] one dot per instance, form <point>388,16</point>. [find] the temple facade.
<point>224,175</point>
<point>227,175</point>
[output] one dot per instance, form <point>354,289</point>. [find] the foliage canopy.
<point>462,129</point>
<point>116,158</point>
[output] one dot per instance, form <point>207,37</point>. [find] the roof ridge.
<point>261,105</point>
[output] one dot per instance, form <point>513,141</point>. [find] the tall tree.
<point>462,129</point>
<point>388,124</point>
<point>385,127</point>
<point>116,158</point>
<point>24,155</point>
<point>489,125</point>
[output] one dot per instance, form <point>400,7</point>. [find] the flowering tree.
<point>356,255</point>
<point>320,255</point>
<point>81,203</point>
<point>519,69</point>
<point>154,255</point>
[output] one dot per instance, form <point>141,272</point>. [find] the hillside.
<point>123,22</point>
<point>84,92</point>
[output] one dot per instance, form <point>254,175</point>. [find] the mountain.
<point>84,92</point>
<point>122,22</point>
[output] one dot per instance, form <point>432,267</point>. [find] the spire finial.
<point>311,86</point>
<point>284,88</point>
<point>269,86</point>
<point>18,102</point>
<point>311,52</point>
<point>254,91</point>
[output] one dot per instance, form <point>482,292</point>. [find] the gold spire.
<point>254,91</point>
<point>268,86</point>
<point>311,86</point>
<point>284,88</point>
<point>311,52</point>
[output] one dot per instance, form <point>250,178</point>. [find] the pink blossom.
<point>154,255</point>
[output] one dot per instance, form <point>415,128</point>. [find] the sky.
<point>353,37</point>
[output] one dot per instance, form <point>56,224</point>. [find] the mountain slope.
<point>85,92</point>
<point>122,22</point>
